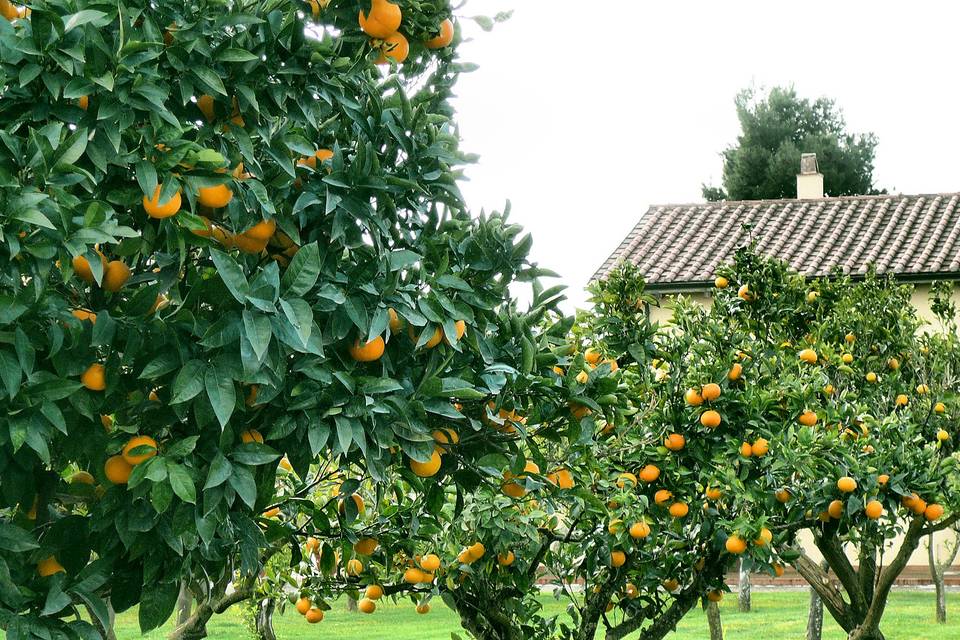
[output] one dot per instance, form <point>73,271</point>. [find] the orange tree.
<point>226,240</point>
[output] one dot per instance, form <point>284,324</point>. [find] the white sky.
<point>585,113</point>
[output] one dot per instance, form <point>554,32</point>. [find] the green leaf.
<point>220,470</point>
<point>15,539</point>
<point>34,217</point>
<point>189,382</point>
<point>256,327</point>
<point>182,483</point>
<point>210,78</point>
<point>81,18</point>
<point>182,447</point>
<point>236,55</point>
<point>231,274</point>
<point>243,483</point>
<point>300,315</point>
<point>157,604</point>
<point>254,454</point>
<point>10,372</point>
<point>402,259</point>
<point>221,392</point>
<point>72,148</point>
<point>302,273</point>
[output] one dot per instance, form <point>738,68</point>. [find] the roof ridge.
<point>878,196</point>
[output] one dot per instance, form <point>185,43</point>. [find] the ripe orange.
<point>624,478</point>
<point>446,437</point>
<point>670,584</point>
<point>735,545</point>
<point>311,545</point>
<point>354,567</point>
<point>49,566</point>
<point>139,441</point>
<point>432,342</point>
<point>365,546</point>
<point>562,478</point>
<point>893,363</point>
<point>883,479</point>
<point>394,47</point>
<point>765,537</point>
<point>382,21</point>
<point>874,509</point>
<point>679,510</point>
<point>922,389</point>
<point>933,512</point>
<point>746,450</point>
<point>369,351</point>
<point>81,267</point>
<point>262,230</point>
<point>710,419</point>
<point>847,358</point>
<point>835,509</point>
<point>83,102</point>
<point>506,559</point>
<point>639,530</point>
<point>760,447</point>
<point>939,407</point>
<point>117,470</point>
<point>373,592</point>
<point>649,473</point>
<point>94,378</point>
<point>460,326</point>
<point>591,356</point>
<point>675,442</point>
<point>901,400</point>
<point>444,38</point>
<point>413,576</point>
<point>807,418</point>
<point>735,371</point>
<point>713,493</point>
<point>720,282</point>
<point>423,608</point>
<point>81,477</point>
<point>583,377</point>
<point>846,484</point>
<point>428,468</point>
<point>251,435</point>
<point>693,398</point>
<point>115,276</point>
<point>215,197</point>
<point>710,391</point>
<point>828,389</point>
<point>396,323</point>
<point>314,615</point>
<point>303,605</point>
<point>430,562</point>
<point>744,293</point>
<point>871,377</point>
<point>617,559</point>
<point>808,355</point>
<point>662,496</point>
<point>715,596</point>
<point>477,550</point>
<point>783,496</point>
<point>777,570</point>
<point>157,209</point>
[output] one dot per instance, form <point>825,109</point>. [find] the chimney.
<point>809,180</point>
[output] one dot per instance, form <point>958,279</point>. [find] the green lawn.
<point>777,614</point>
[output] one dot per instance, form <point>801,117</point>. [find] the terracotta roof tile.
<point>684,244</point>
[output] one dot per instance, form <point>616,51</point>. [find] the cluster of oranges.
<point>382,24</point>
<point>138,449</point>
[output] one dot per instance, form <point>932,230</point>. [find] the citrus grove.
<point>237,269</point>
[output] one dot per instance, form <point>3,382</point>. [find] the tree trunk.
<point>713,619</point>
<point>195,627</point>
<point>184,603</point>
<point>936,574</point>
<point>941,601</point>
<point>815,614</point>
<point>744,588</point>
<point>265,609</point>
<point>351,605</point>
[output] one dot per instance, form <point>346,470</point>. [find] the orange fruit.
<point>760,447</point>
<point>159,210</point>
<point>215,197</point>
<point>81,477</point>
<point>670,584</point>
<point>693,398</point>
<point>413,576</point>
<point>835,509</point>
<point>396,323</point>
<point>354,567</point>
<point>430,562</point>
<point>314,615</point>
<point>366,605</point>
<point>901,400</point>
<point>365,546</point>
<point>583,377</point>
<point>83,314</point>
<point>679,510</point>
<point>432,342</point>
<point>357,500</point>
<point>710,419</point>
<point>713,493</point>
<point>311,545</point>
<point>115,276</point>
<point>765,537</point>
<point>847,358</point>
<point>383,19</point>
<point>139,441</point>
<point>369,351</point>
<point>777,570</point>
<point>735,545</point>
<point>943,435</point>
<point>846,484</point>
<point>715,596</point>
<point>251,435</point>
<point>394,47</point>
<point>744,293</point>
<point>662,496</point>
<point>246,244</point>
<point>893,363</point>
<point>506,559</point>
<point>721,283</point>
<point>735,371</point>
<point>426,469</point>
<point>746,450</point>
<point>263,230</point>
<point>83,102</point>
<point>807,418</point>
<point>675,442</point>
<point>460,327</point>
<point>783,496</point>
<point>117,470</point>
<point>303,605</point>
<point>922,389</point>
<point>939,407</point>
<point>562,478</point>
<point>373,592</point>
<point>477,550</point>
<point>873,509</point>
<point>649,473</point>
<point>444,38</point>
<point>710,391</point>
<point>624,478</point>
<point>808,355</point>
<point>81,267</point>
<point>49,566</point>
<point>205,104</point>
<point>883,479</point>
<point>639,530</point>
<point>871,377</point>
<point>617,559</point>
<point>933,512</point>
<point>94,378</point>
<point>579,411</point>
<point>423,608</point>
<point>828,389</point>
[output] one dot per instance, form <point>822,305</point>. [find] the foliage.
<point>775,130</point>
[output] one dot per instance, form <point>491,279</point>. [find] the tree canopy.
<point>776,128</point>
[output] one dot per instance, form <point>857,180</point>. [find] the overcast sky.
<point>585,113</point>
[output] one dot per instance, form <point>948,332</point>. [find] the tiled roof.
<point>682,245</point>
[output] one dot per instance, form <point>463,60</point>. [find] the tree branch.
<point>830,596</point>
<point>910,541</point>
<point>829,545</point>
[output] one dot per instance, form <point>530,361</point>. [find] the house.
<point>914,237</point>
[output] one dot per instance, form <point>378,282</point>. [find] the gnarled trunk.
<point>743,596</point>
<point>265,609</point>
<point>815,613</point>
<point>713,619</point>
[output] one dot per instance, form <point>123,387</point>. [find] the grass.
<point>778,614</point>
